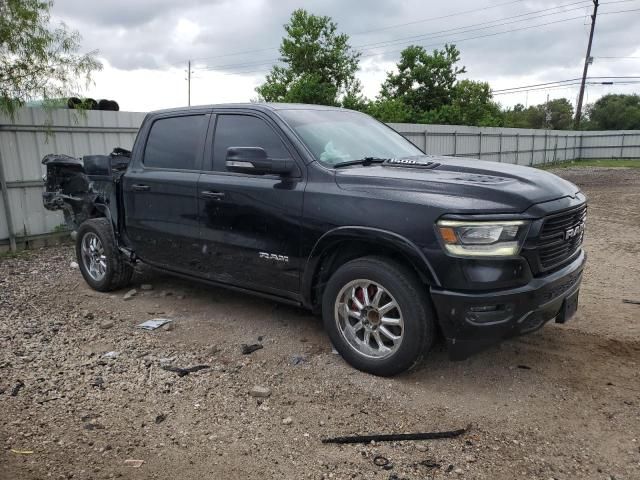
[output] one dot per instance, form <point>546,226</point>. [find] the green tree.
<point>560,112</point>
<point>37,61</point>
<point>389,110</point>
<point>471,104</point>
<point>320,66</point>
<point>517,117</point>
<point>614,112</point>
<point>424,81</point>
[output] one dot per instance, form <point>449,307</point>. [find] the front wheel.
<point>102,265</point>
<point>378,315</point>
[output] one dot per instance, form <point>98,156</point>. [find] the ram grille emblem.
<point>574,231</point>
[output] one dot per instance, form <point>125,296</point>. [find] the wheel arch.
<point>342,244</point>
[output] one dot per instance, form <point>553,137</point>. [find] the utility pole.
<point>587,61</point>
<point>189,81</point>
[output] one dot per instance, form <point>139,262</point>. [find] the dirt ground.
<point>562,403</point>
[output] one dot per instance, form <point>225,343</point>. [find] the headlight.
<point>483,238</point>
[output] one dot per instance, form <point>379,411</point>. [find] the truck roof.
<point>255,106</point>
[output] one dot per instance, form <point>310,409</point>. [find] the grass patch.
<point>21,253</point>
<point>595,162</point>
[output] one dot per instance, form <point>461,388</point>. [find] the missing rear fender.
<point>82,188</point>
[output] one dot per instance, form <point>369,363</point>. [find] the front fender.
<point>379,237</point>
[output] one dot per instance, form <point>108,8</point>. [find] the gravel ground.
<point>562,403</point>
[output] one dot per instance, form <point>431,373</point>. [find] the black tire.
<point>118,270</point>
<point>104,105</point>
<point>402,284</point>
<point>74,102</point>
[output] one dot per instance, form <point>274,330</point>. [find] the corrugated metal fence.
<point>521,146</point>
<point>25,141</point>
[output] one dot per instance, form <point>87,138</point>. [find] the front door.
<point>250,224</point>
<point>161,196</point>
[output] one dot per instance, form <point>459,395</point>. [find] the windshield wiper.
<point>366,161</point>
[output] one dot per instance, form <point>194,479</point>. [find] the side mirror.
<point>254,161</point>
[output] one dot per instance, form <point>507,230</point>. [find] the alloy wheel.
<point>369,319</point>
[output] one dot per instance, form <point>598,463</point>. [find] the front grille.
<point>554,248</point>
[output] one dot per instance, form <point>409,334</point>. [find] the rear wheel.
<point>102,265</point>
<point>378,315</point>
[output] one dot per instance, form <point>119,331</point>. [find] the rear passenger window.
<point>175,142</point>
<point>244,131</point>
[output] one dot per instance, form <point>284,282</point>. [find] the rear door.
<point>160,192</point>
<point>250,224</point>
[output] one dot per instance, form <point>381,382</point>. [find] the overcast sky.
<point>144,44</point>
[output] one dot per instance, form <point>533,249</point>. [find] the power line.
<point>455,41</point>
<point>467,29</point>
<point>424,20</point>
<point>440,33</point>
<point>509,31</point>
<point>568,85</point>
<point>524,88</point>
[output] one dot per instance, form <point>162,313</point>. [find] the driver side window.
<point>244,131</point>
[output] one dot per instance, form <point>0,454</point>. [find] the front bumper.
<point>473,321</point>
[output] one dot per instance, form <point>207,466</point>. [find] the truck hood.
<point>453,181</point>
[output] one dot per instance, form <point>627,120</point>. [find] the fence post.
<point>544,160</point>
<point>480,146</point>
<point>517,147</point>
<point>580,146</point>
<point>533,147</point>
<point>7,208</point>
<point>555,149</point>
<point>455,143</point>
<point>622,146</point>
<point>426,135</point>
<point>500,149</point>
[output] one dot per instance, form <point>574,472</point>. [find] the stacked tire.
<point>91,104</point>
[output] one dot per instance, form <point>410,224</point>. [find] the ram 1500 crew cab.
<point>332,210</point>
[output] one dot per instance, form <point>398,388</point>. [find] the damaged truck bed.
<point>84,188</point>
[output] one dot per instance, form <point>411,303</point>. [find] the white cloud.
<point>146,43</point>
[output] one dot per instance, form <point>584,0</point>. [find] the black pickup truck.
<point>332,210</point>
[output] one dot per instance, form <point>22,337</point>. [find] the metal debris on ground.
<point>394,437</point>
<point>22,452</point>
<point>133,463</point>
<point>524,367</point>
<point>247,349</point>
<point>16,388</point>
<point>383,462</point>
<point>154,323</point>
<point>183,371</point>
<point>97,382</point>
<point>130,294</point>
<point>298,359</point>
<point>430,463</point>
<point>632,302</point>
